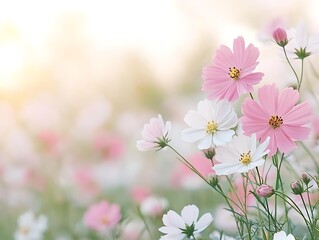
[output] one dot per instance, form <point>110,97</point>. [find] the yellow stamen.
<point>275,121</point>
<point>234,73</point>
<point>211,127</point>
<point>245,158</point>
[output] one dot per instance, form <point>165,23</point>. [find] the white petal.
<point>206,110</point>
<point>195,120</point>
<point>226,168</point>
<point>172,219</point>
<point>170,230</point>
<point>261,150</point>
<point>301,35</point>
<point>230,121</point>
<point>206,142</point>
<point>242,143</point>
<point>192,135</point>
<point>190,214</point>
<point>222,137</point>
<point>173,237</point>
<point>227,154</point>
<point>222,109</point>
<point>203,222</point>
<point>280,235</point>
<point>145,146</point>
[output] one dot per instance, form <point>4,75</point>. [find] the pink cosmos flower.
<point>155,135</point>
<point>110,145</point>
<point>231,74</point>
<point>276,115</point>
<point>139,194</point>
<point>102,216</point>
<point>85,184</point>
<point>153,206</point>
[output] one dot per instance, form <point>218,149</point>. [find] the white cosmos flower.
<point>155,135</point>
<point>211,124</point>
<point>153,206</point>
<point>30,227</point>
<point>300,43</point>
<point>187,225</point>
<point>240,155</point>
<point>282,236</point>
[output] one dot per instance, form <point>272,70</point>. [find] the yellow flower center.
<point>245,158</point>
<point>234,73</point>
<point>211,127</point>
<point>275,121</point>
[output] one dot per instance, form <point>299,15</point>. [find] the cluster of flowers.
<point>252,147</point>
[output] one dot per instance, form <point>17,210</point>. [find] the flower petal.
<point>206,142</point>
<point>172,219</point>
<point>203,222</point>
<point>190,214</point>
<point>222,137</point>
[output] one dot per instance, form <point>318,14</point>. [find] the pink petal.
<point>251,109</point>
<point>250,57</point>
<point>284,143</point>
<point>272,143</point>
<point>296,132</point>
<point>300,114</point>
<point>252,78</point>
<point>224,57</point>
<point>238,49</point>
<point>268,98</point>
<point>287,100</point>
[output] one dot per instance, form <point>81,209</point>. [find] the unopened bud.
<point>265,190</point>
<point>209,153</point>
<point>280,36</point>
<point>296,187</point>
<point>305,178</point>
<point>212,179</point>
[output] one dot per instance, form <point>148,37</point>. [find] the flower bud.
<point>209,153</point>
<point>296,187</point>
<point>265,190</point>
<point>280,36</point>
<point>212,179</point>
<point>305,178</point>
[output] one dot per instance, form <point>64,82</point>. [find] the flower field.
<point>145,120</point>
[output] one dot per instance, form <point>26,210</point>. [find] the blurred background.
<point>78,79</point>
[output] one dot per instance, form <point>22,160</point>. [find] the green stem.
<point>292,68</point>
<point>310,155</point>
<point>145,223</point>
<point>301,75</point>
<point>296,208</point>
<point>234,191</point>
<point>282,189</point>
<point>189,165</point>
<point>221,192</point>
<point>310,206</point>
<point>259,177</point>
<point>303,202</point>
